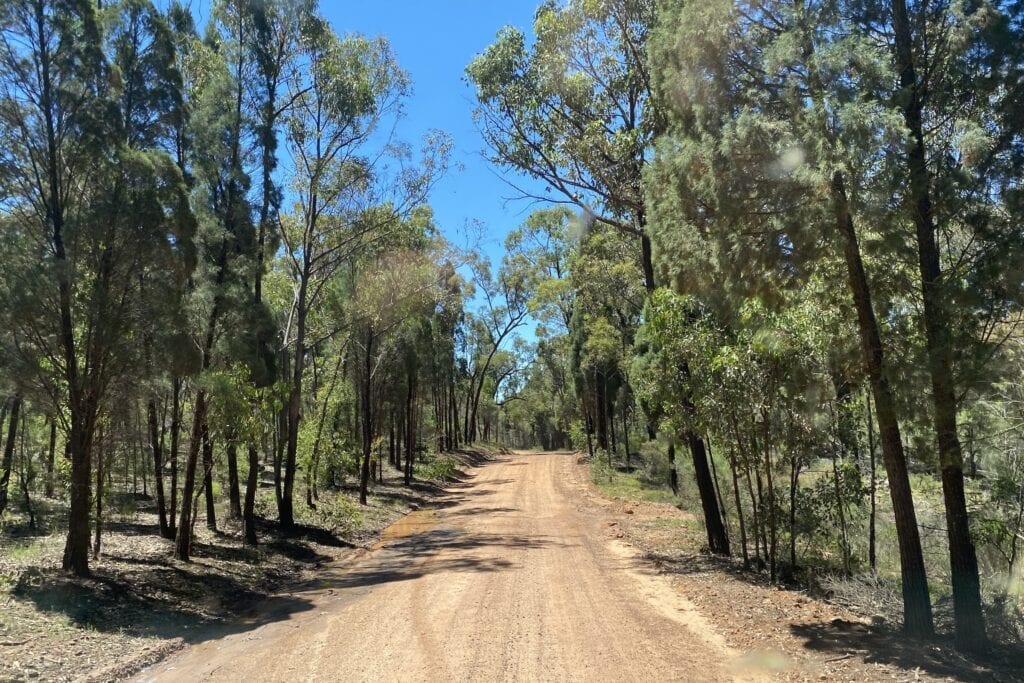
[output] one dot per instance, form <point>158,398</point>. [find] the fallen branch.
<point>840,658</point>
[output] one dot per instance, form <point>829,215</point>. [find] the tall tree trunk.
<point>183,542</point>
<point>97,545</point>
<point>76,549</point>
<point>588,427</point>
<point>158,468</point>
<point>392,456</point>
<point>739,510</point>
<point>435,403</point>
<point>455,417</point>
<point>773,517</point>
<point>211,509</point>
<point>600,410</point>
<point>252,483</point>
<point>872,560</point>
<point>917,611</point>
<point>172,524</point>
<point>410,435</point>
<point>466,436</point>
<point>610,407</point>
<point>280,439</point>
<point>26,467</point>
<point>765,518</point>
<point>844,539</point>
<point>968,617</point>
<point>287,510</point>
<point>794,486</point>
<point>367,415</point>
<point>50,455</point>
<point>234,489</point>
<point>673,473</point>
<point>625,435</point>
<point>8,459</point>
<point>647,261</point>
<point>445,417</point>
<point>718,540</point>
<point>718,488</point>
<point>756,514</point>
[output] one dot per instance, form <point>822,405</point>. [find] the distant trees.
<point>175,286</point>
<point>828,190</point>
<point>576,111</point>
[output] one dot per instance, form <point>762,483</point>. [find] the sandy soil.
<point>523,573</point>
<point>141,605</point>
<point>514,578</point>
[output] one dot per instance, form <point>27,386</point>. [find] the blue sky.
<point>434,41</point>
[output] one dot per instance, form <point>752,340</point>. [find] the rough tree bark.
<point>968,617</point>
<point>8,458</point>
<point>158,468</point>
<point>172,524</point>
<point>917,611</point>
<point>367,415</point>
<point>234,492</point>
<point>50,455</point>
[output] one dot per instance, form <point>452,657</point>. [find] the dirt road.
<point>514,578</point>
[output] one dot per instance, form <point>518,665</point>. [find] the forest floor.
<point>794,635</point>
<point>523,569</point>
<point>141,605</point>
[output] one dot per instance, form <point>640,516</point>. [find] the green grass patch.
<point>24,553</point>
<point>439,467</point>
<point>628,485</point>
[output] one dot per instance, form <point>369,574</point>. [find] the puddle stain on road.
<point>410,525</point>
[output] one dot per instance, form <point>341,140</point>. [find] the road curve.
<point>516,577</point>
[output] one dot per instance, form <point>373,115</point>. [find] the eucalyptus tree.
<point>348,198</point>
<point>505,309</point>
<point>573,110</point>
<point>546,240</point>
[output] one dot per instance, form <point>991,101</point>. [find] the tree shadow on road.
<point>938,658</point>
<point>482,510</point>
<point>439,551</point>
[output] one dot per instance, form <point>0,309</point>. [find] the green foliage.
<point>568,108</point>
<point>156,251</point>
<point>339,514</point>
<point>439,468</point>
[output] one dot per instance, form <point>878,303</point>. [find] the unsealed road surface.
<point>515,577</point>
